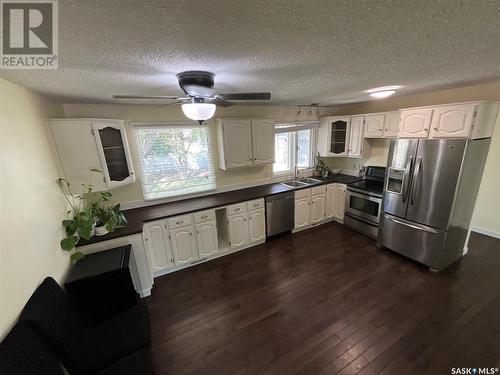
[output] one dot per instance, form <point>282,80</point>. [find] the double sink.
<point>302,182</point>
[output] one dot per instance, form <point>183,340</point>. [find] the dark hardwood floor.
<point>327,301</point>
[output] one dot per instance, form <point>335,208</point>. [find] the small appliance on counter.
<point>364,202</point>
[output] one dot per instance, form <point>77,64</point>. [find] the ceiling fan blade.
<point>151,97</point>
<point>246,96</point>
<point>219,102</point>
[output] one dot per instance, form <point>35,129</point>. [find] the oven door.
<point>363,206</point>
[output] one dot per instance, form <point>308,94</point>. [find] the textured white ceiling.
<point>301,51</point>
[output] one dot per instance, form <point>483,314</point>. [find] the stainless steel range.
<point>364,202</point>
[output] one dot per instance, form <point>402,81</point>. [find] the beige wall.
<point>486,215</point>
<point>31,207</point>
<point>155,113</point>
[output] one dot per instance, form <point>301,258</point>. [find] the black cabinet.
<point>100,285</point>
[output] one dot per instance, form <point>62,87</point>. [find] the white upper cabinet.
<point>206,238</point>
<point>333,136</point>
<point>257,225</point>
<point>415,123</point>
<point>238,230</point>
<point>356,137</point>
<point>391,124</point>
<point>374,125</point>
<point>159,251</point>
<point>184,245</point>
<point>263,141</point>
<point>235,144</point>
<point>245,142</point>
<point>452,121</point>
<point>83,144</point>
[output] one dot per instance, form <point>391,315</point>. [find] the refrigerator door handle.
<point>416,175</point>
<point>412,225</point>
<point>407,179</point>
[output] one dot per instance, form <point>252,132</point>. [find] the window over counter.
<point>294,145</point>
<point>175,159</point>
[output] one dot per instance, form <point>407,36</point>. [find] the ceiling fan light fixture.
<point>199,111</point>
<point>383,93</point>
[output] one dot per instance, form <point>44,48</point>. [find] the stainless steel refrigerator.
<point>429,195</point>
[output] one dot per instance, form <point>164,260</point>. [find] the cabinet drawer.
<point>179,221</point>
<point>237,208</point>
<point>302,193</point>
<point>318,189</point>
<point>255,204</point>
<point>202,216</point>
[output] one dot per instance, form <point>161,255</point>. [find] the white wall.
<point>31,206</point>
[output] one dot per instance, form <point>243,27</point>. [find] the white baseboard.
<point>486,232</point>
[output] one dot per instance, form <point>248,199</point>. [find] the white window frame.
<point>295,128</point>
<point>179,125</point>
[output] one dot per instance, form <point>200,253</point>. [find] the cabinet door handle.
<point>436,129</point>
<point>237,209</point>
<point>190,233</point>
<point>198,231</point>
<point>179,222</point>
<point>204,217</point>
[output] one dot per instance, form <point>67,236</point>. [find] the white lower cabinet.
<point>318,208</point>
<point>157,243</point>
<point>238,230</point>
<point>206,238</point>
<point>309,207</point>
<point>335,202</point>
<point>302,213</point>
<point>184,245</point>
<point>340,203</point>
<point>257,225</point>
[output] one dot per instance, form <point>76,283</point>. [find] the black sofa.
<point>50,331</point>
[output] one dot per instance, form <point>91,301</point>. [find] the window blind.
<point>175,160</point>
<point>296,126</point>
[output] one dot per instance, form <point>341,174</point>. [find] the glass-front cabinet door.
<point>338,137</point>
<point>333,136</point>
<point>113,150</point>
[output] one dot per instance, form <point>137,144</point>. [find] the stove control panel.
<point>395,180</point>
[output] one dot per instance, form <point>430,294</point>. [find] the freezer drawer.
<point>419,242</point>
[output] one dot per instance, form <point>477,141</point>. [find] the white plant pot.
<point>101,231</point>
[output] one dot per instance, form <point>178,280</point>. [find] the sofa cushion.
<point>51,315</point>
<point>22,353</point>
<point>106,343</point>
<point>138,363</point>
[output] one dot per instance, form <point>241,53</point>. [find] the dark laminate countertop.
<point>138,216</point>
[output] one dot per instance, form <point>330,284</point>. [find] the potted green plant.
<point>109,219</point>
<point>81,217</point>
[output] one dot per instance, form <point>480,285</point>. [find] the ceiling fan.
<point>200,101</point>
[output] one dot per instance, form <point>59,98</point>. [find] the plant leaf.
<point>67,223</point>
<point>68,243</point>
<point>76,256</point>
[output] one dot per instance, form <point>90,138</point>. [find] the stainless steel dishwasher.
<point>280,210</point>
